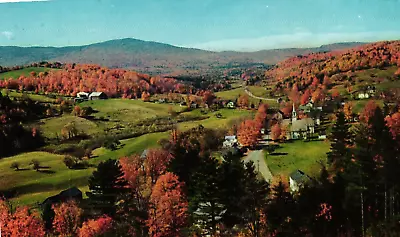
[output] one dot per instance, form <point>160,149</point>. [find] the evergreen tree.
<point>106,186</point>
<point>339,155</point>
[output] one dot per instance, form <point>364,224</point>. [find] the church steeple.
<point>294,114</point>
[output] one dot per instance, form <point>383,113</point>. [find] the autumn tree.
<point>261,115</point>
<point>106,186</point>
<point>22,223</point>
<point>208,98</point>
<point>77,110</point>
<point>305,97</point>
<point>276,132</point>
<point>243,101</point>
<point>368,111</point>
<point>168,207</point>
<point>248,133</point>
<point>348,111</point>
<point>156,163</point>
<point>67,218</point>
<point>96,227</point>
<point>145,96</point>
<point>393,122</point>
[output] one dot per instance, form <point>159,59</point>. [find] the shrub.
<point>70,162</point>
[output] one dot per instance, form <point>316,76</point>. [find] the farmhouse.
<point>70,194</point>
<point>297,180</point>
<point>299,128</point>
<point>230,141</point>
<point>98,96</point>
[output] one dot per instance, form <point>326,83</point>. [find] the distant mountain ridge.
<point>152,57</point>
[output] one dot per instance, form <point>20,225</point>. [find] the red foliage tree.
<point>98,227</point>
<point>368,111</point>
<point>393,122</point>
<point>305,97</point>
<point>168,207</point>
<point>208,98</point>
<point>67,218</point>
<point>276,132</point>
<point>21,223</point>
<point>261,115</point>
<point>248,133</point>
<point>156,163</point>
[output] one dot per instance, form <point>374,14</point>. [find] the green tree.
<point>339,154</point>
<point>106,186</point>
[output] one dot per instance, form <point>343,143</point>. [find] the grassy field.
<point>358,105</point>
<point>32,187</point>
<point>301,155</point>
<point>34,97</point>
<point>256,90</point>
<point>23,72</point>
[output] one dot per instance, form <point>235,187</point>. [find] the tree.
<point>67,218</point>
<point>77,110</point>
<point>348,111</point>
<point>69,131</point>
<point>145,96</point>
<point>35,164</point>
<point>106,186</point>
<point>393,122</point>
<point>69,161</point>
<point>156,163</point>
<point>243,101</point>
<point>261,115</point>
<point>305,97</point>
<point>15,165</point>
<point>168,207</point>
<point>340,154</point>
<point>97,227</point>
<point>248,133</point>
<point>208,98</point>
<point>21,223</point>
<point>368,111</point>
<point>276,132</point>
<point>111,143</point>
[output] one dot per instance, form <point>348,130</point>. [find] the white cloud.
<point>12,1</point>
<point>297,39</point>
<point>8,34</point>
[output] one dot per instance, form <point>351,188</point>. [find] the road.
<point>258,158</point>
<point>256,97</point>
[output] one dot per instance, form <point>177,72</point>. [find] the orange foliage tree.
<point>276,132</point>
<point>368,112</point>
<point>98,227</point>
<point>348,111</point>
<point>243,101</point>
<point>67,218</point>
<point>248,133</point>
<point>393,123</point>
<point>261,115</point>
<point>21,223</point>
<point>168,207</point>
<point>208,98</point>
<point>156,163</point>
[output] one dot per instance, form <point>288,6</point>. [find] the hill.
<point>371,64</point>
<point>152,57</point>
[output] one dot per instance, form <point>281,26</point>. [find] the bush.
<point>15,165</point>
<point>69,161</point>
<point>111,143</point>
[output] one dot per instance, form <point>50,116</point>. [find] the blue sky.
<point>243,25</point>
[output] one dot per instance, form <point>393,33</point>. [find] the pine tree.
<point>339,154</point>
<point>106,186</point>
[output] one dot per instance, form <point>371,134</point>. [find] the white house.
<point>230,141</point>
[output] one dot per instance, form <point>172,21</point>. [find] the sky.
<point>241,25</point>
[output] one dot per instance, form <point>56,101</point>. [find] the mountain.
<point>152,57</point>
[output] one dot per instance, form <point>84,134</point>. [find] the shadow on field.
<point>47,171</point>
<point>279,154</point>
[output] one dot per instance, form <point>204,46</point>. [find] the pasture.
<point>23,72</point>
<point>305,156</point>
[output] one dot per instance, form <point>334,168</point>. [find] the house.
<point>230,141</point>
<point>69,194</point>
<point>297,180</point>
<point>82,95</point>
<point>231,105</point>
<point>98,96</point>
<point>194,105</point>
<point>299,128</point>
<point>183,103</point>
